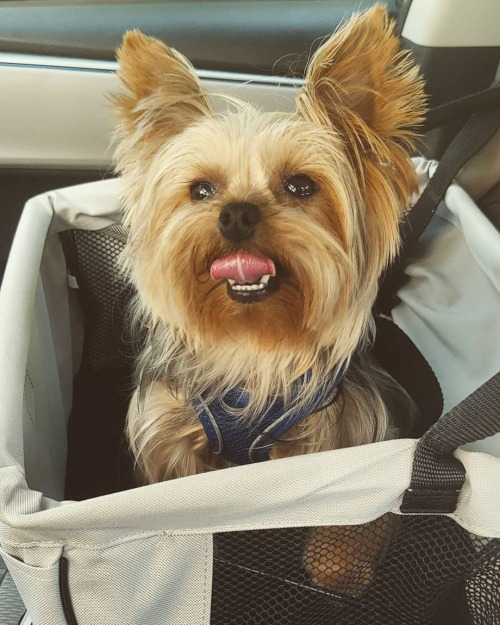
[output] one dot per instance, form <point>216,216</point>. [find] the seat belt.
<point>474,135</point>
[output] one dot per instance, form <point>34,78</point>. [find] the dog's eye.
<point>300,185</point>
<point>202,190</point>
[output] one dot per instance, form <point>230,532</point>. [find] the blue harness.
<point>243,442</point>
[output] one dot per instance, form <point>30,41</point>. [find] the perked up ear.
<point>361,83</point>
<point>162,92</point>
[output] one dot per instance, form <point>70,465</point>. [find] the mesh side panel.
<point>93,256</point>
<point>483,586</point>
<point>98,458</point>
<point>393,571</point>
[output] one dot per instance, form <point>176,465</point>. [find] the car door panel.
<point>256,36</point>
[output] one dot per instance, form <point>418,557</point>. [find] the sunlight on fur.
<point>315,196</point>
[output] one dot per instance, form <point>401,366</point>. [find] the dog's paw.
<point>343,559</point>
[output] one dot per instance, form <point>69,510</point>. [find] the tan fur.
<point>344,558</point>
<point>171,447</point>
<point>356,118</point>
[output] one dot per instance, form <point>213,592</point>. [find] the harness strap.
<point>241,440</point>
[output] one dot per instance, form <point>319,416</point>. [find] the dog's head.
<point>268,230</point>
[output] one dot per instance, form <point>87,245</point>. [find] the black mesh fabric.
<point>423,570</point>
<point>98,459</point>
<point>92,257</point>
<point>396,570</point>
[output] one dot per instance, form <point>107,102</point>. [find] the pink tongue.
<point>242,268</point>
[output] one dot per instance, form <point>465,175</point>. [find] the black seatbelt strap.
<point>476,132</point>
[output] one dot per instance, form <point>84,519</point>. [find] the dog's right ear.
<point>162,92</point>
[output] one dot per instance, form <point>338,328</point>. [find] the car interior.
<point>58,69</point>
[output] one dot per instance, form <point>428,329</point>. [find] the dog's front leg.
<point>165,436</point>
<point>344,559</point>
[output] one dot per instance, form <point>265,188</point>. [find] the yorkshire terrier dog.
<point>256,244</point>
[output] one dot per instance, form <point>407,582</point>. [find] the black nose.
<point>238,221</point>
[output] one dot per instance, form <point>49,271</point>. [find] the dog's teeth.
<point>265,279</point>
<point>259,286</point>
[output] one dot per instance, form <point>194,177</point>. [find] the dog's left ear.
<point>360,83</point>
